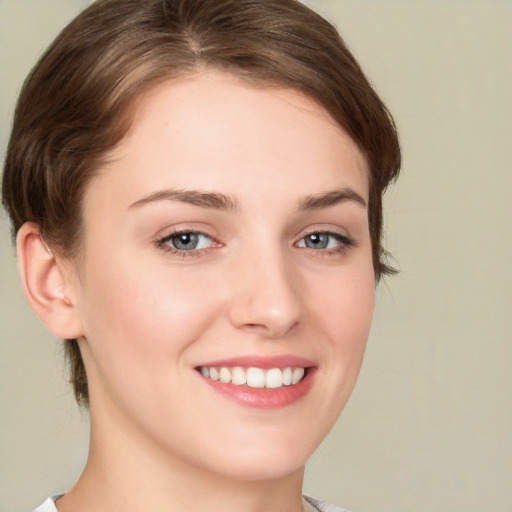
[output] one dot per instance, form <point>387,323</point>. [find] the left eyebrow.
<point>331,198</point>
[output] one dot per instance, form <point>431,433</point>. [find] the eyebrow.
<point>214,200</point>
<point>218,201</point>
<point>331,198</point>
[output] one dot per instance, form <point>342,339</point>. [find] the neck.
<point>126,472</point>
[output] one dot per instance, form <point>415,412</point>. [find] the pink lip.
<point>264,362</point>
<point>263,398</point>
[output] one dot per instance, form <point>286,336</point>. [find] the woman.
<point>196,192</point>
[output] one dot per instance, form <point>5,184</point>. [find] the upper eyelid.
<point>326,231</point>
<point>165,238</point>
<point>185,231</point>
<point>342,237</point>
<point>179,231</point>
<point>172,231</point>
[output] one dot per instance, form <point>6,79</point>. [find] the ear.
<point>46,283</point>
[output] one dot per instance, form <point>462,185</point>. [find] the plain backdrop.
<point>428,428</point>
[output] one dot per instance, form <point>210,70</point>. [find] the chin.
<point>264,470</point>
<point>257,461</point>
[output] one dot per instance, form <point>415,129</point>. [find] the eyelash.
<point>344,243</point>
<point>163,245</point>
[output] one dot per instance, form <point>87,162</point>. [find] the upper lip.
<point>265,362</point>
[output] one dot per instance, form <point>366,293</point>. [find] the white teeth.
<point>287,376</point>
<point>273,378</point>
<point>238,376</point>
<point>224,375</point>
<point>255,378</point>
<point>297,375</point>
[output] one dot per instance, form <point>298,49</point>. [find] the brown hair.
<point>75,105</point>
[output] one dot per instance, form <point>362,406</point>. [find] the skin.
<point>147,316</point>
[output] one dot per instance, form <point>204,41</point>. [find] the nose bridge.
<point>265,293</point>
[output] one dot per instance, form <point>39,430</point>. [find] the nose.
<point>265,297</point>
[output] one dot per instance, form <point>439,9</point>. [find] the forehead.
<point>210,127</point>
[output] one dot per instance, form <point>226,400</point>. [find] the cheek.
<point>345,305</point>
<point>345,310</point>
<point>135,313</point>
<point>358,305</point>
<point>139,330</point>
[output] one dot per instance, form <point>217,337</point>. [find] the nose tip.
<point>275,324</point>
<point>266,301</point>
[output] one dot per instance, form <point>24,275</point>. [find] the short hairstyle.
<point>76,104</point>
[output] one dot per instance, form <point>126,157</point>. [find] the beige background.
<point>429,425</point>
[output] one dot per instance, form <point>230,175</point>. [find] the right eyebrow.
<point>331,198</point>
<point>213,200</point>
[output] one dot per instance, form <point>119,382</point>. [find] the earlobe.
<point>45,284</point>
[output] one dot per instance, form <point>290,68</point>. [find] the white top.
<point>310,505</point>
<point>49,504</point>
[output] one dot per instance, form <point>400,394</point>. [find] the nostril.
<point>255,327</point>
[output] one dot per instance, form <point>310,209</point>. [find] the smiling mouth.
<point>253,377</point>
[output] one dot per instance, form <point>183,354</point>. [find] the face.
<point>227,286</point>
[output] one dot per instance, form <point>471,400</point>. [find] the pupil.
<point>185,241</point>
<point>317,241</point>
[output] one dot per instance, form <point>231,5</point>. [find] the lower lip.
<point>263,398</point>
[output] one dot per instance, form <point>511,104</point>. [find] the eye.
<point>185,241</point>
<point>327,241</point>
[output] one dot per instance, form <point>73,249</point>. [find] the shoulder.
<point>314,505</point>
<point>48,505</point>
